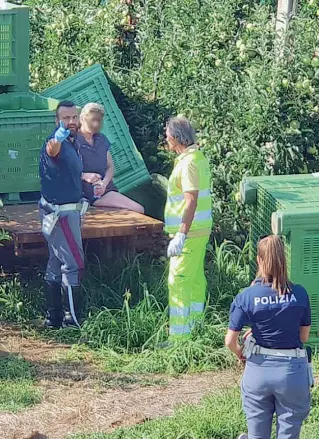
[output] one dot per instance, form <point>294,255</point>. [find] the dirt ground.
<point>78,397</point>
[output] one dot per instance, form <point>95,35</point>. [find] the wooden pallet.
<point>22,222</point>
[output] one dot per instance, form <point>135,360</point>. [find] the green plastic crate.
<point>91,85</point>
<point>14,48</point>
<point>26,101</point>
<point>22,135</point>
<point>289,206</point>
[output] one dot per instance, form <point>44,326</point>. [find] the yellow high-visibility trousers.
<point>187,288</point>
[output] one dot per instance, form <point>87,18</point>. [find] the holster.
<point>311,377</point>
<point>85,206</point>
<point>48,222</point>
<point>50,217</point>
<point>51,214</point>
<point>249,345</point>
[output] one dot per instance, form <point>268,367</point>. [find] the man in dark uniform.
<point>61,207</point>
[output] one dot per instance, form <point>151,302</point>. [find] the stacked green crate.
<point>289,206</point>
<point>26,119</point>
<point>91,85</point>
<point>14,48</point>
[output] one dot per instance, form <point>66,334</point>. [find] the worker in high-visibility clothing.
<point>188,221</point>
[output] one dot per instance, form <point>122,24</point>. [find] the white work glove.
<point>176,245</point>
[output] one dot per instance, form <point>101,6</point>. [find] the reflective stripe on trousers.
<point>71,305</point>
<point>187,315</point>
<point>180,330</point>
<point>187,287</point>
<point>196,307</point>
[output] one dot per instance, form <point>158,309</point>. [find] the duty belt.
<point>293,353</point>
<point>50,219</point>
<point>65,207</point>
<point>251,348</point>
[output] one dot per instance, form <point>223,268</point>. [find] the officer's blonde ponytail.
<point>272,264</point>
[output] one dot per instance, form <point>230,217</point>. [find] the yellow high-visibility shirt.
<point>191,173</point>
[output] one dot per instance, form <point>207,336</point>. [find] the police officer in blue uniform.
<point>60,209</point>
<point>276,378</point>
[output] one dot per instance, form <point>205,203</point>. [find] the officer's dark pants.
<point>66,257</point>
<point>280,386</point>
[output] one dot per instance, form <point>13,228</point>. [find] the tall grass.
<point>20,301</point>
<point>106,283</point>
<point>128,328</point>
<point>203,352</point>
<point>227,272</point>
<point>127,332</point>
<point>127,314</point>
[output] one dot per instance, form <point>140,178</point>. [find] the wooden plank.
<point>24,225</point>
<point>26,238</point>
<point>110,247</point>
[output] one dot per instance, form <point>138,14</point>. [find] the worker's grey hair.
<point>181,130</point>
<point>91,108</point>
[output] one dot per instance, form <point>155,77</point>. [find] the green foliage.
<point>17,390</point>
<point>127,328</point>
<point>19,302</point>
<point>15,368</point>
<point>211,419</point>
<point>134,296</point>
<point>67,36</point>
<point>4,236</point>
<point>211,60</point>
<point>15,396</point>
<point>204,351</point>
<point>105,284</point>
<point>127,315</point>
<point>227,272</point>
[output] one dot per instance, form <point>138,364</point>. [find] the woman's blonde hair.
<point>272,264</point>
<point>92,108</point>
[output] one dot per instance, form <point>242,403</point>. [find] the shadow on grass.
<point>36,435</point>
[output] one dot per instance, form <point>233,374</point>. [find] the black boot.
<point>54,312</point>
<point>71,305</point>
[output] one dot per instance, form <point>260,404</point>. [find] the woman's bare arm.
<point>231,341</point>
<point>304,333</point>
<point>110,170</point>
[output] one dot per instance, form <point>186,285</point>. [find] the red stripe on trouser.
<point>71,242</point>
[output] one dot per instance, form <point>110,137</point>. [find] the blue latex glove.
<point>61,133</point>
<point>176,245</point>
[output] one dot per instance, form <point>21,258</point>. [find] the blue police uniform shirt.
<point>275,319</point>
<point>61,176</point>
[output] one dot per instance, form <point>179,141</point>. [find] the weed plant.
<point>127,313</point>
